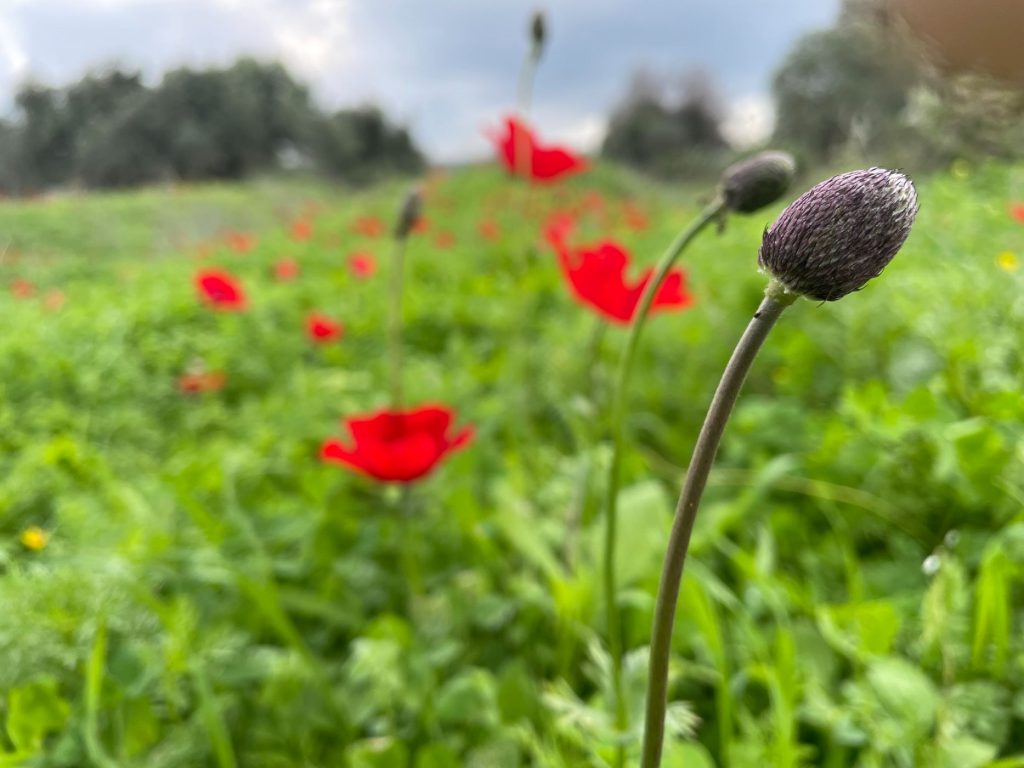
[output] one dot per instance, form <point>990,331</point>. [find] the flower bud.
<point>758,181</point>
<point>840,234</point>
<point>410,213</point>
<point>538,30</point>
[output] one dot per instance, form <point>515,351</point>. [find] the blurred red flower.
<point>322,329</point>
<point>520,152</point>
<point>1017,211</point>
<point>362,264</point>
<point>489,230</point>
<point>597,278</point>
<point>557,229</point>
<point>22,289</point>
<point>422,225</point>
<point>444,239</point>
<point>368,226</point>
<point>220,289</point>
<point>240,242</point>
<point>302,229</point>
<point>54,300</point>
<point>196,382</point>
<point>286,269</point>
<point>636,219</point>
<point>398,446</point>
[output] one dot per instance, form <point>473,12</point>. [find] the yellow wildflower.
<point>1008,261</point>
<point>34,538</point>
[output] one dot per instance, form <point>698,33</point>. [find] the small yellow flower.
<point>961,169</point>
<point>1008,261</point>
<point>34,538</point>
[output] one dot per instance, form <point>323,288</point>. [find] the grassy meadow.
<point>183,581</point>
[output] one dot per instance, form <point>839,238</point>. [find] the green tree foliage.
<point>665,133</point>
<point>110,130</point>
<point>360,144</point>
<point>839,87</point>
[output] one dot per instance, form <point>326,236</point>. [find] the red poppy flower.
<point>196,382</point>
<point>398,446</point>
<point>286,269</point>
<point>597,278</point>
<point>521,153</point>
<point>362,264</point>
<point>322,329</point>
<point>302,230</point>
<point>488,229</point>
<point>220,289</point>
<point>368,226</point>
<point>422,225</point>
<point>1017,211</point>
<point>22,289</point>
<point>240,242</point>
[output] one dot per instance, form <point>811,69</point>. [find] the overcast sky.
<point>444,67</point>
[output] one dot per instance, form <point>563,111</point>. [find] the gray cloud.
<point>447,67</point>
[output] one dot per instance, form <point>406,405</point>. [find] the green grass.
<point>211,594</point>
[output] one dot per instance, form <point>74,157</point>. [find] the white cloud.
<point>749,121</point>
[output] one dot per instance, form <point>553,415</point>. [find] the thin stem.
<point>618,417</point>
<point>526,76</point>
<point>775,301</point>
<point>523,159</point>
<point>395,330</point>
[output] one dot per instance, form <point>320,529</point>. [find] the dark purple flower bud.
<point>840,234</point>
<point>412,209</point>
<point>751,184</point>
<point>538,30</point>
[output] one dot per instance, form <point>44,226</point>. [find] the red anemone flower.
<point>240,242</point>
<point>368,226</point>
<point>22,289</point>
<point>597,278</point>
<point>220,289</point>
<point>636,219</point>
<point>444,239</point>
<point>362,264</point>
<point>54,300</point>
<point>302,229</point>
<point>197,382</point>
<point>286,269</point>
<point>489,230</point>
<point>322,329</point>
<point>398,446</point>
<point>520,152</point>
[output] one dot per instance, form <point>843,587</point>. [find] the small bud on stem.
<point>538,32</point>
<point>840,234</point>
<point>751,184</point>
<point>412,209</point>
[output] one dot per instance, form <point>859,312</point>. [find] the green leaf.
<point>906,693</point>
<point>34,711</point>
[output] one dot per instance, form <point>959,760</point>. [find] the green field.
<point>183,582</point>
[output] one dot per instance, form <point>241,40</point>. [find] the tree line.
<point>111,129</point>
<point>856,92</point>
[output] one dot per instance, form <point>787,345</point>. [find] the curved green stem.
<point>618,417</point>
<point>775,301</point>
